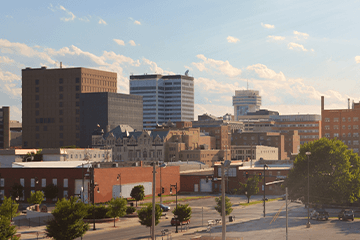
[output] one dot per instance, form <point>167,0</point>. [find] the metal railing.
<point>32,222</point>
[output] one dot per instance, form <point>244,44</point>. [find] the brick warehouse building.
<point>237,173</point>
<point>69,180</point>
<point>342,124</point>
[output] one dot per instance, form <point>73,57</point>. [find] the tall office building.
<point>4,127</point>
<point>51,103</point>
<point>165,98</point>
<point>246,101</point>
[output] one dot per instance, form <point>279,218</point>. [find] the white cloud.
<point>84,19</point>
<point>300,34</point>
<point>296,46</point>
<point>213,86</point>
<point>276,38</point>
<point>231,39</point>
<point>15,113</point>
<point>51,7</point>
<point>264,72</point>
<point>9,16</point>
<point>137,22</point>
<point>8,77</point>
<point>6,60</point>
<point>223,67</point>
<point>357,59</point>
<point>71,15</point>
<point>120,42</point>
<point>132,43</point>
<point>267,26</point>
<point>102,21</point>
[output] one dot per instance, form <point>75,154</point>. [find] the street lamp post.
<point>265,166</point>
<point>119,179</point>
<point>175,186</point>
<point>308,206</point>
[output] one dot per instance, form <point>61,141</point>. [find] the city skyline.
<point>292,52</point>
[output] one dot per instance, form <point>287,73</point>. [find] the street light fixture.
<point>267,167</point>
<point>308,223</point>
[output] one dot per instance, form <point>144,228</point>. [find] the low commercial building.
<point>256,152</point>
<point>110,179</point>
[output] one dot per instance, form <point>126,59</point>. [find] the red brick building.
<point>342,124</point>
<point>69,180</point>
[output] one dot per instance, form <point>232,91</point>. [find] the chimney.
<point>322,103</point>
<point>353,103</point>
<point>348,103</point>
<point>60,64</point>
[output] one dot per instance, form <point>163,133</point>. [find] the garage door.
<point>205,186</point>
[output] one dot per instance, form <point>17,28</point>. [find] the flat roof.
<point>51,164</point>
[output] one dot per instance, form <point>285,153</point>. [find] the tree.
<point>145,215</point>
<point>5,208</point>
<point>138,193</point>
<point>68,220</point>
<point>117,208</point>
<point>36,197</point>
<point>250,188</point>
<point>7,231</point>
<point>334,173</point>
<point>17,191</point>
<point>228,205</point>
<point>183,212</point>
<point>51,191</point>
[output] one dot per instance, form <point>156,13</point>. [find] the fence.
<point>32,222</point>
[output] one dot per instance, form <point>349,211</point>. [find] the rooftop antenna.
<point>187,72</point>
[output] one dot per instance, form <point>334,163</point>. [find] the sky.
<point>293,52</point>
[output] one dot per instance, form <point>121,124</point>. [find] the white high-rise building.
<point>246,101</point>
<point>165,97</point>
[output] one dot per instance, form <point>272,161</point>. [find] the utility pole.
<point>265,166</point>
<point>153,205</point>
<point>286,199</point>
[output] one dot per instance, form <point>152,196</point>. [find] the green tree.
<point>228,204</point>
<point>183,212</point>
<point>7,231</point>
<point>17,191</point>
<point>5,208</point>
<point>138,193</point>
<point>250,188</point>
<point>68,221</point>
<point>145,215</point>
<point>334,173</point>
<point>36,197</point>
<point>51,191</point>
<point>117,208</point>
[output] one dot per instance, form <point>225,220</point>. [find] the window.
<point>349,126</point>
<point>355,134</point>
<point>356,142</point>
<point>344,135</point>
<point>349,142</point>
<point>65,182</point>
<point>61,81</point>
<point>61,96</point>
<point>77,135</point>
<point>61,120</point>
<point>356,150</point>
<point>2,193</point>
<point>77,80</point>
<point>336,135</point>
<point>65,194</point>
<point>60,112</point>
<point>32,182</point>
<point>336,119</point>
<point>54,181</point>
<point>349,134</point>
<point>37,97</point>
<point>231,172</point>
<point>2,182</point>
<point>77,119</point>
<point>327,127</point>
<point>37,105</point>
<point>356,127</point>
<point>77,88</point>
<point>355,119</point>
<point>336,126</point>
<point>77,104</point>
<point>43,182</point>
<point>60,104</point>
<point>349,119</point>
<point>77,96</point>
<point>61,135</point>
<point>327,119</point>
<point>37,89</point>
<point>61,88</point>
<point>343,119</point>
<point>77,111</point>
<point>343,126</point>
<point>61,127</point>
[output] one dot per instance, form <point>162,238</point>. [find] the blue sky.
<point>293,52</point>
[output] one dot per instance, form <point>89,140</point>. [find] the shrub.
<point>100,211</point>
<point>130,210</point>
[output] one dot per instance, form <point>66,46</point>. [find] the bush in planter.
<point>100,212</point>
<point>130,210</point>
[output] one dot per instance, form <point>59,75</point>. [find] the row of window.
<point>355,119</point>
<point>327,127</point>
<point>34,182</point>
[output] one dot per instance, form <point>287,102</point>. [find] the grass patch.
<point>257,202</point>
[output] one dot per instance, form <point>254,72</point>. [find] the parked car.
<point>164,208</point>
<point>173,221</point>
<point>345,214</point>
<point>319,214</point>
